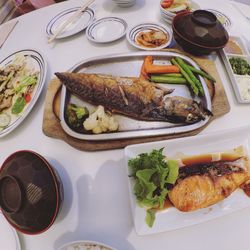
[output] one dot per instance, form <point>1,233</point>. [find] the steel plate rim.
<point>135,133</point>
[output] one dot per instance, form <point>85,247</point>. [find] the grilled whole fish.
<point>133,97</point>
<point>199,186</point>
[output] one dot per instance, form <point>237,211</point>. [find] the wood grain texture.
<point>52,127</point>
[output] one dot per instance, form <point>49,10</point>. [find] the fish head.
<point>180,109</point>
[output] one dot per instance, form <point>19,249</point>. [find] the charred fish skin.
<point>132,97</point>
<point>202,185</point>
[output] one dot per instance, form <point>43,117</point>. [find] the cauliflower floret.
<point>100,122</point>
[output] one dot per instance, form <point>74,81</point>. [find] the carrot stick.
<point>143,73</point>
<point>150,68</point>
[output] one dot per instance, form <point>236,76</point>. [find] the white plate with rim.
<point>85,245</point>
<point>171,218</point>
<point>8,235</point>
<point>36,62</point>
<point>135,31</point>
<point>75,27</point>
<point>107,29</point>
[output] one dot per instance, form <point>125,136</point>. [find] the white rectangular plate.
<point>233,77</point>
<point>171,218</point>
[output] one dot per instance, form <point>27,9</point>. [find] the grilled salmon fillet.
<point>133,97</point>
<point>199,186</point>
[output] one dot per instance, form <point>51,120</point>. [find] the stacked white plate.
<point>168,16</point>
<point>124,3</point>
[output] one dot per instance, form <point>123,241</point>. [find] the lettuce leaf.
<point>152,174</point>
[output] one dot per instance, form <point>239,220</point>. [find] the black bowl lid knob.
<point>11,195</point>
<point>204,18</point>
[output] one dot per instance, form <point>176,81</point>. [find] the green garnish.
<point>152,174</point>
<point>26,81</point>
<point>239,66</point>
<point>18,105</point>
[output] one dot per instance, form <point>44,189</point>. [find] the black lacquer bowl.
<point>199,32</point>
<point>30,192</point>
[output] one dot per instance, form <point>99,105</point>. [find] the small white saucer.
<point>107,29</point>
<point>147,27</point>
<point>78,25</point>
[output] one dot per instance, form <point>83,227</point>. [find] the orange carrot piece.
<point>143,73</point>
<point>150,68</point>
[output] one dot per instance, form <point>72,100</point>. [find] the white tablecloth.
<point>96,204</point>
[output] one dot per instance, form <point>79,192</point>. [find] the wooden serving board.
<point>52,127</point>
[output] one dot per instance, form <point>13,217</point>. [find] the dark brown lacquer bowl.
<point>199,32</point>
<point>30,192</point>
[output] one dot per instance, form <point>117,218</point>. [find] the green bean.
<point>191,75</point>
<point>186,76</point>
<point>169,74</point>
<point>168,79</point>
<point>201,73</point>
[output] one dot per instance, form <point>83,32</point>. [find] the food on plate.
<point>178,73</point>
<point>240,66</point>
<point>233,47</point>
<point>152,175</point>
<point>133,97</point>
<point>85,246</point>
<point>151,38</point>
<point>76,115</point>
<point>99,121</point>
<point>176,6</point>
<point>243,83</point>
<point>18,81</point>
<point>197,181</point>
<point>201,185</point>
<point>151,68</point>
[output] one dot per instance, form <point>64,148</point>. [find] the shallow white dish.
<point>233,77</point>
<point>8,235</point>
<point>146,27</point>
<point>85,245</point>
<point>107,29</point>
<point>37,62</point>
<point>75,27</point>
<point>171,218</point>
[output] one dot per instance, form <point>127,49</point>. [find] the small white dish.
<point>9,239</point>
<point>75,27</point>
<point>85,245</point>
<point>107,29</point>
<point>132,35</point>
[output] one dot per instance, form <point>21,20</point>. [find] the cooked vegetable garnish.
<point>151,68</point>
<point>167,79</point>
<point>76,115</point>
<point>18,105</point>
<point>201,73</point>
<point>152,174</point>
<point>239,66</point>
<point>185,67</point>
<point>192,85</point>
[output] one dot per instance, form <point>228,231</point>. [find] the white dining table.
<point>96,203</point>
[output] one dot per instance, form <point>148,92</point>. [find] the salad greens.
<point>152,175</point>
<point>239,66</point>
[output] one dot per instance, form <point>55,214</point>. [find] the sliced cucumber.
<point>4,120</point>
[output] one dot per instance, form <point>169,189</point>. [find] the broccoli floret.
<point>75,116</point>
